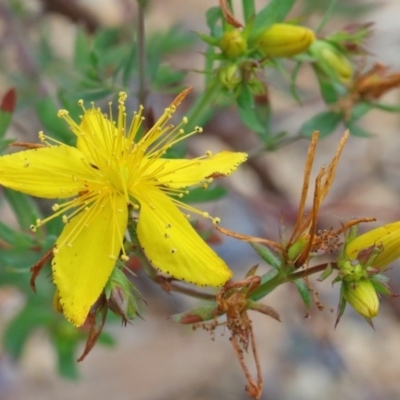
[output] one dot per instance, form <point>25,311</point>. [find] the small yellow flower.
<point>331,60</point>
<point>114,166</point>
<point>361,295</point>
<point>387,236</point>
<point>285,40</point>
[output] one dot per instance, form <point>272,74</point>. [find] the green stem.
<point>269,286</point>
<point>327,16</point>
<point>249,10</point>
<point>141,43</point>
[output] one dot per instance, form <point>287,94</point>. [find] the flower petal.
<point>183,173</point>
<point>96,136</point>
<point>173,246</point>
<point>50,172</point>
<point>86,253</point>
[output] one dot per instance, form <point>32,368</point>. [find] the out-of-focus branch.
<point>73,11</point>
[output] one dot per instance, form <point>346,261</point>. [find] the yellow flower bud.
<point>362,297</point>
<point>232,44</point>
<point>285,40</point>
<point>331,60</point>
<point>387,236</point>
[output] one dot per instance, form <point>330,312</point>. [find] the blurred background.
<point>303,357</point>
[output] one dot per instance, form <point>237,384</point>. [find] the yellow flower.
<point>387,236</point>
<point>112,166</point>
<point>285,40</point>
<point>361,295</point>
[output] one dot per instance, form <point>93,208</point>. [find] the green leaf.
<point>4,143</point>
<point>324,122</point>
<point>15,238</point>
<point>7,107</point>
<point>275,11</point>
<point>328,89</point>
<point>245,99</point>
<point>25,209</point>
<point>58,129</point>
<point>266,254</point>
<point>199,195</point>
<point>129,67</point>
<point>213,15</point>
<point>19,329</point>
<point>386,107</point>
<point>356,130</point>
<point>88,95</point>
<point>82,50</point>
<point>264,288</point>
<point>303,291</point>
<point>359,110</point>
<point>67,365</point>
<point>249,117</point>
<point>199,314</point>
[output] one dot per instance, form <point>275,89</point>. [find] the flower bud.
<point>331,60</point>
<point>297,248</point>
<point>352,271</point>
<point>230,76</point>
<point>232,44</point>
<point>386,239</point>
<point>285,40</point>
<point>119,294</point>
<point>362,297</point>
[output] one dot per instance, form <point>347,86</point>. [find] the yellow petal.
<point>387,235</point>
<point>182,173</point>
<point>95,135</point>
<point>88,249</point>
<point>50,172</point>
<point>173,246</point>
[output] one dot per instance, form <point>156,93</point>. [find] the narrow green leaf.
<point>249,117</point>
<point>15,238</point>
<point>213,15</point>
<point>266,254</point>
<point>199,195</point>
<point>7,106</point>
<point>386,107</point>
<point>129,67</point>
<point>4,143</point>
<point>359,110</point>
<point>275,11</point>
<point>83,44</point>
<point>47,113</point>
<point>25,209</point>
<point>199,314</point>
<point>19,329</point>
<point>356,130</point>
<point>324,122</point>
<point>303,291</point>
<point>67,365</point>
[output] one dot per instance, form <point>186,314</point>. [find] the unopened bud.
<point>285,40</point>
<point>297,248</point>
<point>230,76</point>
<point>331,60</point>
<point>362,297</point>
<point>232,44</point>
